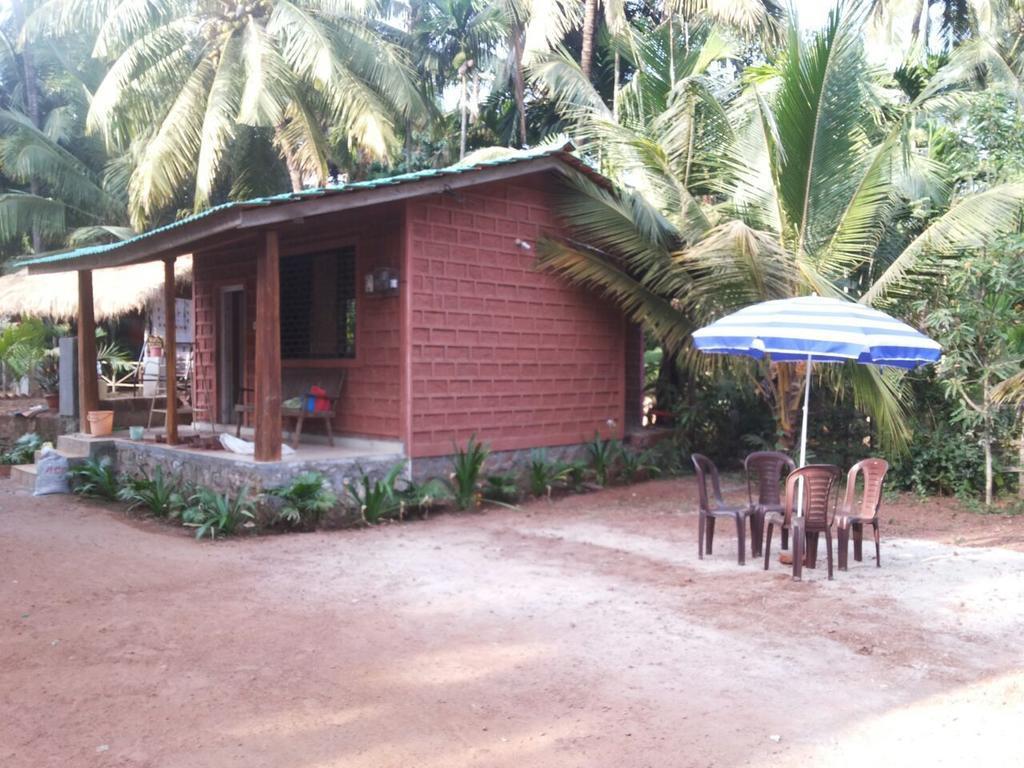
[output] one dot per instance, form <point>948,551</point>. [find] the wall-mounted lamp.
<point>522,245</point>
<point>382,281</point>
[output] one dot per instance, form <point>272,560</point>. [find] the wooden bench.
<point>296,383</point>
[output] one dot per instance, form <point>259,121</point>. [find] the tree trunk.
<point>31,105</point>
<point>615,87</point>
<point>518,84</point>
<point>589,27</point>
<point>987,440</point>
<point>1020,463</point>
<point>464,108</point>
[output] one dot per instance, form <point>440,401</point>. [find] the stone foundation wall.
<point>228,475</point>
<point>498,462</point>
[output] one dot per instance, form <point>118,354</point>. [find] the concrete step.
<point>74,446</point>
<point>24,476</point>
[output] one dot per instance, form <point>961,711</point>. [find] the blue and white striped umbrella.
<point>817,329</point>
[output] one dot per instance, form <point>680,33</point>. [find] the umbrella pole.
<point>803,439</point>
<point>803,427</point>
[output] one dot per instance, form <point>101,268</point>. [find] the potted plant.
<point>155,346</point>
<point>48,377</point>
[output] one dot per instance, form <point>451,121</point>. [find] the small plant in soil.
<point>96,479</point>
<point>543,475</point>
<point>467,463</point>
<point>159,495</point>
<point>217,514</point>
<point>576,475</point>
<point>306,500</point>
<point>501,489</point>
<point>638,465</point>
<point>424,497</point>
<point>378,499</point>
<point>603,454</point>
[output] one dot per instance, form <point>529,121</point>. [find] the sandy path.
<point>580,633</point>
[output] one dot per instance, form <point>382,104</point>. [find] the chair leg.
<point>741,539</point>
<point>858,542</point>
<point>878,549</point>
<point>297,432</point>
<point>828,551</point>
<point>768,545</point>
<point>756,534</point>
<point>785,537</point>
<point>709,534</point>
<point>238,425</point>
<point>843,544</point>
<point>330,432</point>
<point>700,536</point>
<point>811,549</point>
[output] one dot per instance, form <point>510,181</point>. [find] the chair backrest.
<point>821,492</point>
<point>874,471</point>
<point>706,470</point>
<point>767,468</point>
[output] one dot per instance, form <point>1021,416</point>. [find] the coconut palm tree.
<point>187,76</point>
<point>810,193</point>
<point>51,176</point>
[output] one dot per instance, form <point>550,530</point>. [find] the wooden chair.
<point>819,502</point>
<point>297,383</point>
<point>767,470</point>
<point>713,506</point>
<point>854,517</point>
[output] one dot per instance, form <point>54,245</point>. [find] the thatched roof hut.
<point>116,291</point>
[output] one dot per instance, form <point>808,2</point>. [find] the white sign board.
<point>183,325</point>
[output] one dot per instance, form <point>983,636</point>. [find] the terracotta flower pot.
<point>52,400</point>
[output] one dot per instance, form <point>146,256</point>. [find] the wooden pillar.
<point>268,349</point>
<point>88,381</point>
<point>170,353</point>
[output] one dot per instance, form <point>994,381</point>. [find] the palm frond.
<point>218,129</point>
<point>23,213</point>
<point>969,224</point>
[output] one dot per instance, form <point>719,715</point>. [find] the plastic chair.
<point>819,502</point>
<point>713,506</point>
<point>766,470</point>
<point>854,517</point>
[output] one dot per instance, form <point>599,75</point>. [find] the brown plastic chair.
<point>854,517</point>
<point>766,470</point>
<point>819,504</point>
<point>714,506</point>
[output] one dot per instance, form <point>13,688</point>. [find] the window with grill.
<point>318,305</point>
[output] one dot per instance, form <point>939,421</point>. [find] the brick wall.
<point>371,401</point>
<point>497,347</point>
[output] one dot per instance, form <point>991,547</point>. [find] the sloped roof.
<point>116,292</point>
<point>179,236</point>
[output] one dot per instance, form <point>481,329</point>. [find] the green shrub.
<point>95,478</point>
<point>378,499</point>
<point>501,488</point>
<point>638,465</point>
<point>603,455</point>
<point>542,474</point>
<point>305,501</point>
<point>216,514</point>
<point>24,449</point>
<point>576,475</point>
<point>467,464</point>
<point>423,497</point>
<point>161,496</point>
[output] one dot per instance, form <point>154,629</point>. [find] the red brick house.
<point>421,288</point>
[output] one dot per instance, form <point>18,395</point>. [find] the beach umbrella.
<point>816,329</point>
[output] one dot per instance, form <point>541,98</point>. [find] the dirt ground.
<point>583,632</point>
